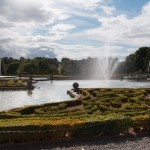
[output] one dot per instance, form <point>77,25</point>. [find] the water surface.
<point>56,91</point>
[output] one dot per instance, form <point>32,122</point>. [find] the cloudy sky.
<point>73,28</point>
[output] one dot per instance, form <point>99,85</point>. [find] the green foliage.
<point>138,62</point>
<point>13,67</point>
<point>134,63</point>
<point>34,66</point>
<point>86,94</point>
<point>101,115</point>
<point>30,67</point>
<point>74,103</point>
<point>13,82</point>
<point>106,127</point>
<point>47,66</point>
<point>103,107</point>
<point>141,121</point>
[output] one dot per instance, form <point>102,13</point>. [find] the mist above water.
<point>104,68</point>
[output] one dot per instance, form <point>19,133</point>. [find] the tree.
<point>13,67</point>
<point>47,65</point>
<point>147,60</point>
<point>140,56</point>
<point>3,67</point>
<point>29,68</point>
<point>138,61</point>
<point>130,62</point>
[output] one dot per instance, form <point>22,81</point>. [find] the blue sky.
<point>130,5</point>
<point>75,29</point>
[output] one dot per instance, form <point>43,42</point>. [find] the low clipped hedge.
<point>107,127</point>
<point>27,110</point>
<point>85,93</point>
<point>141,121</point>
<point>12,82</point>
<point>102,112</point>
<point>80,129</point>
<point>32,133</point>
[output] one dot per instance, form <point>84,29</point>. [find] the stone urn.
<point>76,87</point>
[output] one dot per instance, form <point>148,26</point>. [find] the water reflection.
<point>30,93</point>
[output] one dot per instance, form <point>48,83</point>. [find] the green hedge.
<point>86,95</point>
<point>108,127</point>
<point>98,116</point>
<point>141,121</point>
<point>114,125</point>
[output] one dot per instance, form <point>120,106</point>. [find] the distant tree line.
<point>134,63</point>
<point>137,62</point>
<point>23,66</point>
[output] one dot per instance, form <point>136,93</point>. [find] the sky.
<point>76,29</point>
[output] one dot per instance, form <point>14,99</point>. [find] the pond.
<point>56,91</point>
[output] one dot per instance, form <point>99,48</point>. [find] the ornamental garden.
<point>98,112</point>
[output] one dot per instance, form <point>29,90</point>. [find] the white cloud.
<point>108,10</point>
<point>60,30</point>
<point>122,30</point>
<point>85,4</point>
<point>62,27</point>
<point>80,51</point>
<point>30,27</point>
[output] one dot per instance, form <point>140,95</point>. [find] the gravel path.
<point>117,143</point>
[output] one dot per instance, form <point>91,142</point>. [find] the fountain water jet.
<point>105,67</point>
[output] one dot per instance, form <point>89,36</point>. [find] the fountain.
<point>105,67</point>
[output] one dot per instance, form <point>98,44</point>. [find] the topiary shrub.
<point>86,95</point>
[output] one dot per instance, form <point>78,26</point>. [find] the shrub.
<point>122,98</point>
<point>93,109</point>
<point>103,108</point>
<point>141,121</point>
<point>27,110</point>
<point>95,93</point>
<point>127,106</point>
<point>147,101</point>
<point>133,99</point>
<point>74,103</point>
<point>39,111</point>
<point>62,106</point>
<point>116,103</point>
<point>86,95</point>
<point>98,128</point>
<point>9,115</point>
<point>54,120</point>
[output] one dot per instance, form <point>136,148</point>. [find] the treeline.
<point>134,63</point>
<point>23,66</point>
<point>44,66</point>
<point>137,62</point>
